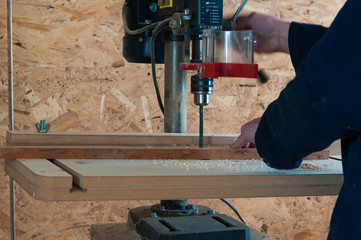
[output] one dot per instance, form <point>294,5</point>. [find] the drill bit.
<point>201,110</point>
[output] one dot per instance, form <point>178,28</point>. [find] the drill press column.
<point>175,85</point>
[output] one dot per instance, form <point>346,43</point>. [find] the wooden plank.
<point>182,173</point>
<point>117,194</point>
<point>40,172</point>
<point>18,138</point>
<point>335,148</point>
<point>160,182</point>
<point>326,179</point>
<point>124,153</point>
<point>121,152</point>
<point>38,181</point>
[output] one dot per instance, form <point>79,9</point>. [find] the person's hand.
<point>248,132</point>
<point>271,34</point>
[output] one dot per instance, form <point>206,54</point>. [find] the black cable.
<point>155,32</point>
<point>234,18</point>
<point>158,27</point>
<point>234,209</point>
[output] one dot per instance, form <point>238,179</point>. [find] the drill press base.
<point>122,231</point>
<point>204,224</point>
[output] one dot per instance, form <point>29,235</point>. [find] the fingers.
<point>247,138</point>
<point>240,142</point>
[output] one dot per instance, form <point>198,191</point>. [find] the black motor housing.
<point>136,48</point>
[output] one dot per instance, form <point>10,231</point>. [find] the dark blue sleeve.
<point>323,102</point>
<point>301,38</point>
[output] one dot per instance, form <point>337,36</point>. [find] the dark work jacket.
<point>322,104</point>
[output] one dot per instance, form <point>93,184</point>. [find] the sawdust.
<point>224,165</point>
<point>318,166</point>
<point>240,166</point>
<point>311,166</point>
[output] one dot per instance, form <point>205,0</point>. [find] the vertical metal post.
<point>175,88</point>
<point>175,99</point>
<point>12,208</point>
<point>10,64</point>
<point>11,110</point>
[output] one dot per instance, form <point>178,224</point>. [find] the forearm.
<point>283,36</point>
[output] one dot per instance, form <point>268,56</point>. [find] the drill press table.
<point>140,179</point>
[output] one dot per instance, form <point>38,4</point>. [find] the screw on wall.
<point>42,127</point>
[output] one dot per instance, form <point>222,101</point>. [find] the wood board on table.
<point>125,146</point>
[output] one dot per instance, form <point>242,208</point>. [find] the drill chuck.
<point>201,88</point>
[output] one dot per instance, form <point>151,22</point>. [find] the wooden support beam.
<point>91,152</point>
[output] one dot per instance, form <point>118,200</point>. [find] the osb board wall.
<point>69,70</point>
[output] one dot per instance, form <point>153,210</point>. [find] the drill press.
<point>185,35</point>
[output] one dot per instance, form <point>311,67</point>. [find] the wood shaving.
<point>240,166</point>
<point>224,165</point>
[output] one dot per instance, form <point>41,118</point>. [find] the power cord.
<point>161,25</point>
<point>234,18</point>
<point>158,27</point>
<point>235,210</point>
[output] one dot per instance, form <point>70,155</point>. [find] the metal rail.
<point>11,110</point>
<point>10,65</point>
